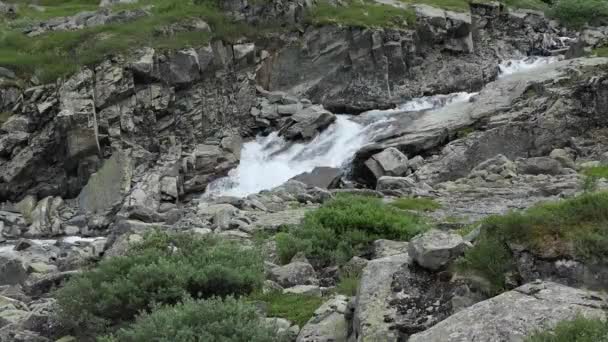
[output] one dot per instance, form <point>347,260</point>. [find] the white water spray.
<point>268,162</point>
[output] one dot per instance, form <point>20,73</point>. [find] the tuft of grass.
<point>601,52</point>
<point>527,4</point>
<point>577,13</point>
<point>296,308</point>
<point>4,117</point>
<point>345,226</point>
<point>417,204</point>
<point>575,228</point>
<point>597,171</point>
<point>580,329</point>
<point>348,286</point>
<point>364,13</point>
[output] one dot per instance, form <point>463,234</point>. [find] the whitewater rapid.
<point>270,161</point>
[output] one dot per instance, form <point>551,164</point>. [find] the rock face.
<point>328,322</point>
<point>322,177</point>
<point>435,248</point>
<point>389,162</point>
<point>514,315</point>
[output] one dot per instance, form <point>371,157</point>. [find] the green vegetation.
<point>348,285</point>
<point>597,171</point>
<point>365,13</point>
<point>452,5</point>
<point>60,53</point>
<point>294,307</point>
<point>574,228</point>
<point>577,13</point>
<point>418,204</point>
<point>527,4</point>
<point>344,227</point>
<point>204,320</point>
<point>162,270</point>
<point>4,117</point>
<point>580,329</point>
<point>601,52</point>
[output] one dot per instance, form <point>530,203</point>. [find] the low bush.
<point>296,308</point>
<point>211,320</point>
<point>348,285</point>
<point>162,270</point>
<point>577,13</point>
<point>580,329</point>
<point>575,228</point>
<point>344,227</point>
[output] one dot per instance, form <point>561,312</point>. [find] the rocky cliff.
<point>130,143</point>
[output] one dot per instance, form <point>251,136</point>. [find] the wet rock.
<point>322,177</point>
<point>307,123</point>
<point>328,322</point>
<point>295,273</point>
<point>436,248</point>
<point>516,314</point>
<point>46,220</point>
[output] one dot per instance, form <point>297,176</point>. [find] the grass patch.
<point>345,226</point>
<point>527,4</point>
<point>597,171</point>
<point>162,270</point>
<point>61,53</point>
<point>575,228</point>
<point>204,320</point>
<point>452,5</point>
<point>348,286</point>
<point>4,116</point>
<point>580,329</point>
<point>601,52</point>
<point>365,13</point>
<point>294,307</point>
<point>577,13</point>
<point>417,204</point>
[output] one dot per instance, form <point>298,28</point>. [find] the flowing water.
<point>267,162</point>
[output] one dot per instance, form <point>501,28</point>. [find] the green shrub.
<point>601,52</point>
<point>577,13</point>
<point>419,204</point>
<point>348,285</point>
<point>345,226</point>
<point>580,329</point>
<point>575,228</point>
<point>211,320</point>
<point>296,308</point>
<point>163,269</point>
<point>491,259</point>
<point>4,116</point>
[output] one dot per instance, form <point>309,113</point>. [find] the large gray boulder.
<point>436,248</point>
<point>540,166</point>
<point>295,273</point>
<point>322,177</point>
<point>452,29</point>
<point>514,315</point>
<point>307,123</point>
<point>328,323</point>
<point>390,162</point>
<point>372,319</point>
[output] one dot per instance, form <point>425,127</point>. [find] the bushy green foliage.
<point>163,269</point>
<point>348,285</point>
<point>344,227</point>
<point>573,228</point>
<point>296,308</point>
<point>601,52</point>
<point>577,13</point>
<point>419,204</point>
<point>211,320</point>
<point>363,13</point>
<point>580,329</point>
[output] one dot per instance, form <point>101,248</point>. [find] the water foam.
<point>268,162</point>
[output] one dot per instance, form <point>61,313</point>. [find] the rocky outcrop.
<point>435,249</point>
<point>516,314</point>
<point>328,322</point>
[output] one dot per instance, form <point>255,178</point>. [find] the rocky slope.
<point>92,162</point>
